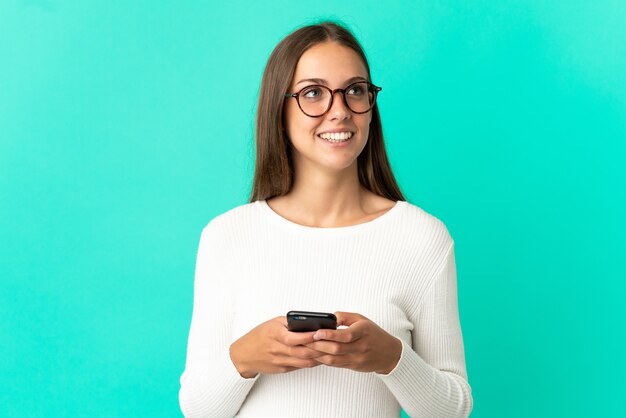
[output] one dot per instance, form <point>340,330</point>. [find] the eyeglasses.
<point>315,100</point>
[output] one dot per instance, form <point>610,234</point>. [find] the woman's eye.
<point>312,93</point>
<point>356,90</point>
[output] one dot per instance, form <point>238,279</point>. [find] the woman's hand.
<point>272,348</point>
<point>363,346</point>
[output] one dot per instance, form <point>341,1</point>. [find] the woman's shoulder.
<point>414,214</point>
<point>417,220</point>
<point>234,216</point>
<point>421,215</point>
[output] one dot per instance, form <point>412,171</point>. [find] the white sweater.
<point>397,270</point>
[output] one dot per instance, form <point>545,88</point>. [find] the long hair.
<point>274,170</point>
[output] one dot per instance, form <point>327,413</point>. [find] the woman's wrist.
<point>240,364</point>
<point>396,353</point>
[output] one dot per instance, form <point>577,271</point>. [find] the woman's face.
<point>335,66</point>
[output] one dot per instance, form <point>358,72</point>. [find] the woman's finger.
<point>348,318</point>
<point>295,338</point>
<point>302,352</point>
<point>281,320</point>
<point>336,361</point>
<point>330,347</point>
<point>294,363</point>
<point>346,335</point>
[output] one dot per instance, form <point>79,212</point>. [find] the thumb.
<point>348,318</point>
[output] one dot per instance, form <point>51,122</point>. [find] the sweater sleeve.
<point>210,383</point>
<point>430,379</point>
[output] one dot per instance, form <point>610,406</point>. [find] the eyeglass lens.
<point>316,100</point>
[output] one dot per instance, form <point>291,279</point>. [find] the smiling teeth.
<point>336,136</point>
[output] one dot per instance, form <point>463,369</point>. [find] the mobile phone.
<point>303,321</point>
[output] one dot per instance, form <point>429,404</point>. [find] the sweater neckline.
<point>385,217</point>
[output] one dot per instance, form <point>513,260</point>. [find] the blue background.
<point>125,126</point>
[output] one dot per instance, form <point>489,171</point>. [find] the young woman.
<point>327,229</point>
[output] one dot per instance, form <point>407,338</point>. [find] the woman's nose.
<point>339,109</point>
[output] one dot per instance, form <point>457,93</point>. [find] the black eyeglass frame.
<point>370,87</point>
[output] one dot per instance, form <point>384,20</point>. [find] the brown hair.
<point>273,172</point>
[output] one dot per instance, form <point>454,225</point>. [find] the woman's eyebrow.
<point>324,82</point>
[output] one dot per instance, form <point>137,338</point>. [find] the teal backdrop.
<point>125,126</point>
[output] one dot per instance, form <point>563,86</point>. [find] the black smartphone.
<point>303,321</point>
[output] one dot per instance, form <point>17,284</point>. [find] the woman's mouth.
<point>336,137</point>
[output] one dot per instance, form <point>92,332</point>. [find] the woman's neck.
<point>328,200</point>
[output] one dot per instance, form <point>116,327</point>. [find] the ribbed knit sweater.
<point>398,270</point>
